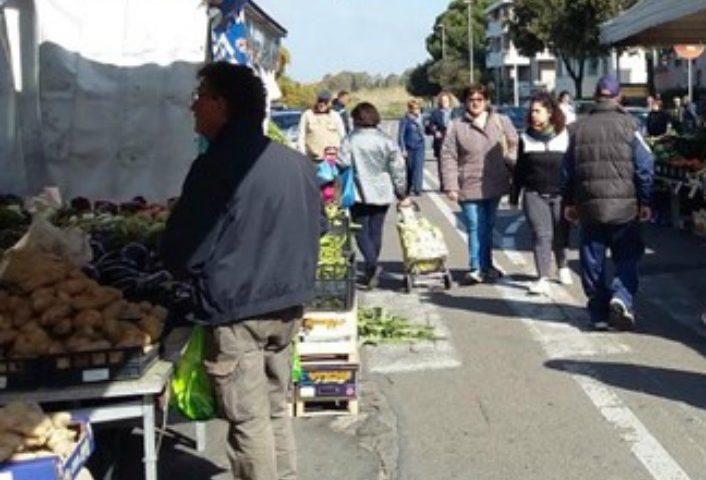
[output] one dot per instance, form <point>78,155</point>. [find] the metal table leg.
<point>150,449</point>
<point>200,436</point>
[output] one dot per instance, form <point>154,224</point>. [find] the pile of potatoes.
<point>26,432</point>
<point>50,307</point>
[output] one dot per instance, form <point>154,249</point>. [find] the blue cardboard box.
<point>53,468</point>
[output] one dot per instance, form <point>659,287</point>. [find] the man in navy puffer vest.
<point>607,181</point>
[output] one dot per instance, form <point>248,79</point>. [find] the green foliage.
<point>452,72</point>
<point>297,95</point>
<point>420,83</point>
<point>568,28</point>
<point>376,325</point>
<point>284,59</point>
<point>275,133</point>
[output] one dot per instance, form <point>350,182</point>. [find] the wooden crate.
<point>341,349</point>
<point>330,326</point>
<point>316,407</point>
<point>327,388</point>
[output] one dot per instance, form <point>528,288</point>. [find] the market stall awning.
<point>658,22</point>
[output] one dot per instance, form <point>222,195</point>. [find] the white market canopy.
<point>658,23</point>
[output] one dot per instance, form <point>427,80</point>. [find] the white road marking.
<point>560,340</point>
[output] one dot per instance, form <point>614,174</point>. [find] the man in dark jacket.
<point>608,175</point>
<point>339,105</point>
<point>245,234</point>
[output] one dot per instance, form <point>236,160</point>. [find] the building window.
<point>606,65</point>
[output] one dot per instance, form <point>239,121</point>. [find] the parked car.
<point>288,122</point>
<point>640,116</point>
<point>517,115</point>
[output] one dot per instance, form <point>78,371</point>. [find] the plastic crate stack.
<point>329,367</point>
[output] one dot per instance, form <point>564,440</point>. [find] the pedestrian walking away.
<point>608,176</point>
<point>567,107</point>
<point>410,138</point>
<point>436,127</point>
<point>245,234</point>
<point>538,178</point>
<point>380,178</point>
<point>477,159</point>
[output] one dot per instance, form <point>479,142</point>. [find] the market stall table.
<point>126,399</point>
<point>675,187</point>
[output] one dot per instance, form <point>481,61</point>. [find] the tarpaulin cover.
<point>229,34</point>
<point>659,23</point>
<point>113,95</point>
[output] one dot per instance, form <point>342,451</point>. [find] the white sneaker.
<point>540,287</point>
<point>564,275</point>
<point>473,277</point>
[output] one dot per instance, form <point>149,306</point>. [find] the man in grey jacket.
<point>608,174</point>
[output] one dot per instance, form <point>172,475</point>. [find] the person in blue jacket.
<point>608,173</point>
<point>410,138</point>
<point>439,121</point>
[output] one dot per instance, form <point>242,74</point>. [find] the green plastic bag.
<point>192,392</point>
<point>296,362</point>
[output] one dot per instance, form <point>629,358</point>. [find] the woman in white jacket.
<point>380,178</point>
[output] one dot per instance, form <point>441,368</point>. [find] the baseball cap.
<point>324,95</point>
<point>608,86</point>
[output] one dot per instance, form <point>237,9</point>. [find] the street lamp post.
<point>469,4</point>
<point>443,40</point>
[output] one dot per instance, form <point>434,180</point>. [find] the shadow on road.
<point>679,385</point>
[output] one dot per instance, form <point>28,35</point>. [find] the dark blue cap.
<point>608,86</point>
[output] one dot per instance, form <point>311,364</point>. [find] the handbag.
<point>347,177</point>
<point>326,171</point>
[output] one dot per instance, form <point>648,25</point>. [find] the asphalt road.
<point>538,395</point>
<point>519,388</point>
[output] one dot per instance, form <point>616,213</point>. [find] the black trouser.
<point>437,155</point>
<point>369,238</point>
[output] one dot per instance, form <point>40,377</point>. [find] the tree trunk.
<point>578,86</point>
<point>576,75</point>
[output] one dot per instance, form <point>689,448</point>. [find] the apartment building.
<point>515,76</point>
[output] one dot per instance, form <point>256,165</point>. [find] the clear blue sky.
<point>376,36</point>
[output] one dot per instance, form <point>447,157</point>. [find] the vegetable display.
<point>26,433</point>
<point>50,307</point>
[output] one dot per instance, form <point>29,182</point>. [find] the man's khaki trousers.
<point>251,369</point>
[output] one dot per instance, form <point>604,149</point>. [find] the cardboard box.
<point>53,468</point>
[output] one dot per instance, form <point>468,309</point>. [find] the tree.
<point>568,28</point>
<point>284,58</point>
<point>452,72</point>
<point>419,83</point>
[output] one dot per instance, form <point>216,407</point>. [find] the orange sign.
<point>689,52</point>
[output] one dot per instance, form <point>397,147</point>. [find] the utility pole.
<point>443,41</point>
<point>469,4</point>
